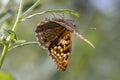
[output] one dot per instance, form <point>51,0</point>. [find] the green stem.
<point>20,45</point>
<point>5,50</point>
<point>18,16</point>
<point>31,8</point>
<point>6,46</point>
<point>65,11</point>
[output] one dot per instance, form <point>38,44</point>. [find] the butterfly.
<point>55,35</point>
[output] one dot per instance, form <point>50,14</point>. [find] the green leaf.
<point>64,11</point>
<point>20,41</point>
<point>12,33</point>
<point>6,76</point>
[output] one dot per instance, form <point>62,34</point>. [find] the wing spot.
<point>58,54</point>
<point>60,57</point>
<point>55,52</point>
<point>55,47</point>
<point>39,33</point>
<point>61,50</point>
<point>59,47</point>
<point>52,50</point>
<point>62,54</point>
<point>68,54</point>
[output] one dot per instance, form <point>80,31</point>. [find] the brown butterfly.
<point>55,34</point>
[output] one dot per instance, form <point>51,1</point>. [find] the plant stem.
<point>24,44</point>
<point>5,50</point>
<point>31,8</point>
<point>6,46</point>
<point>65,11</point>
<point>18,15</point>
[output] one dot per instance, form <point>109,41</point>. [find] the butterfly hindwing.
<point>60,50</point>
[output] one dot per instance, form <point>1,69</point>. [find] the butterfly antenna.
<point>92,28</point>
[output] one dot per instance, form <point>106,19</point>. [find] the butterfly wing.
<point>72,28</point>
<point>47,32</point>
<point>60,50</point>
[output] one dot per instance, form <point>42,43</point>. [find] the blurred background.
<point>99,23</point>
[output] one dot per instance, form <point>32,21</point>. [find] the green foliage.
<point>6,76</point>
<point>12,33</point>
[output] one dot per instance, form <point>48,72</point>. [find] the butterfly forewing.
<point>47,32</point>
<point>60,50</point>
